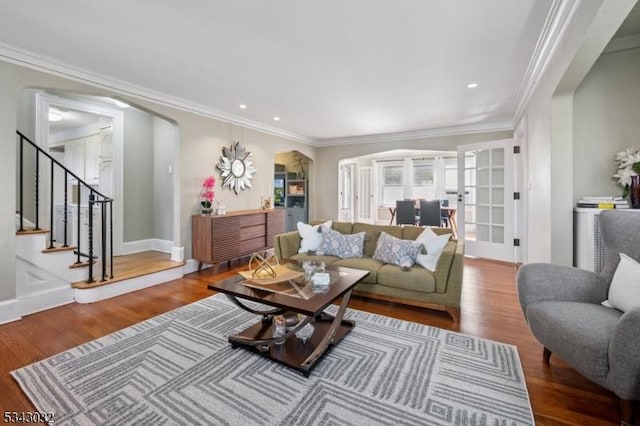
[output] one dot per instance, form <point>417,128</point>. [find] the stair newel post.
<point>21,229</point>
<point>66,215</point>
<point>78,248</point>
<point>103,240</point>
<point>51,208</point>
<point>90,236</point>
<point>37,192</point>
<point>111,238</point>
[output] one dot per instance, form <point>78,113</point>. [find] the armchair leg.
<point>627,412</point>
<point>546,354</point>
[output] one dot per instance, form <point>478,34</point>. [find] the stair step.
<point>58,249</point>
<point>32,231</point>
<point>123,277</point>
<point>81,264</point>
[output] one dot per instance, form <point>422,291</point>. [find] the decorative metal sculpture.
<point>236,167</point>
<point>263,267</point>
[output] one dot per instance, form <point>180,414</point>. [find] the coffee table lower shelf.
<point>293,353</point>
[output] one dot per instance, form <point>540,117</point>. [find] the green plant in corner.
<point>628,166</point>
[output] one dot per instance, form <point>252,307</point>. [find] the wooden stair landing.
<point>132,266</point>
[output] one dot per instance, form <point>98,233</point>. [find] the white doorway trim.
<point>44,101</point>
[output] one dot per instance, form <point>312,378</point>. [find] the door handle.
<point>460,198</point>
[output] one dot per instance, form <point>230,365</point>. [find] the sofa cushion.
<point>310,235</point>
<point>373,233</point>
<point>415,278</point>
<point>342,245</point>
<point>341,227</point>
<point>412,232</point>
<point>396,251</point>
<point>300,257</point>
<point>577,332</point>
<point>364,263</point>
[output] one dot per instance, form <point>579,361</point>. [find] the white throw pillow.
<point>433,244</point>
<point>624,291</point>
<point>311,236</point>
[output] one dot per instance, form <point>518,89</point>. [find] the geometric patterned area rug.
<point>178,368</point>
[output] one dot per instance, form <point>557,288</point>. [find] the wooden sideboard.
<point>222,238</point>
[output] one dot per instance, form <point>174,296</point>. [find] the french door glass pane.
<point>497,157</point>
<point>482,232</point>
<point>497,215</point>
<point>483,214</point>
<point>483,177</point>
<point>497,234</point>
<point>483,158</point>
<point>497,176</point>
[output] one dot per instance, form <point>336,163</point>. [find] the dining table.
<point>451,215</point>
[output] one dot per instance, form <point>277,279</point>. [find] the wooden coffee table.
<point>328,329</point>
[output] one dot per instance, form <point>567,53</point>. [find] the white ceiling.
<point>329,69</point>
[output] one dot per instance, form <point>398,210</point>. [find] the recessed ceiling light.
<point>55,115</point>
<point>276,118</point>
<point>472,85</point>
<point>243,106</point>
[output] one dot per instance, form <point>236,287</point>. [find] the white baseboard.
<point>177,254</point>
<point>9,311</point>
<point>44,300</point>
<point>164,246</point>
<point>191,265</point>
<point>95,294</point>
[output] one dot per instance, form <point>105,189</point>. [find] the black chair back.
<point>430,213</point>
<point>405,212</point>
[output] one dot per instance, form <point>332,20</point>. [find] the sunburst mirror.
<point>236,167</point>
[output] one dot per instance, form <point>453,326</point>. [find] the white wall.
<point>163,145</point>
<point>606,121</point>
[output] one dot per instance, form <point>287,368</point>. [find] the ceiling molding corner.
<point>18,56</point>
<point>554,26</point>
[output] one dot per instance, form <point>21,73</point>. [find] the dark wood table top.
<point>342,280</point>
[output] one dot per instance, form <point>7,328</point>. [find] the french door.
<point>485,209</point>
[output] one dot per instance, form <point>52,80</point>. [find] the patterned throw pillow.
<point>342,245</point>
<point>390,249</point>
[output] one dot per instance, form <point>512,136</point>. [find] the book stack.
<point>603,202</point>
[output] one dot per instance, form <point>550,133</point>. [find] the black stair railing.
<point>95,198</point>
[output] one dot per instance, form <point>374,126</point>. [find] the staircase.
<point>47,264</point>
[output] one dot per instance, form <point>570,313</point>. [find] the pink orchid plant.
<point>206,194</point>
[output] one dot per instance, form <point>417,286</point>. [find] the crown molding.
<point>22,57</point>
<point>554,26</point>
<point>418,134</point>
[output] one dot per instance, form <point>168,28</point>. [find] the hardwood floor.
<point>559,395</point>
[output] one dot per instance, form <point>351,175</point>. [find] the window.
<point>392,182</point>
<point>422,185</point>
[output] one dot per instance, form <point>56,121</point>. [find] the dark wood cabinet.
<point>221,238</point>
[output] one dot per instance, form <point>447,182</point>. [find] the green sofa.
<point>416,286</point>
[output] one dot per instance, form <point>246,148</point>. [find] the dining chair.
<point>444,216</point>
<point>405,212</point>
<point>430,213</point>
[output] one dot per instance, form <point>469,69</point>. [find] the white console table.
<point>588,252</point>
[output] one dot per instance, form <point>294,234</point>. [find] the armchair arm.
<point>545,281</point>
<point>624,362</point>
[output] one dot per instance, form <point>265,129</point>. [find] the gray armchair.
<point>562,306</point>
